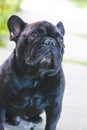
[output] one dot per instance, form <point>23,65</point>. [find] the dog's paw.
<point>36,119</point>
<point>13,120</point>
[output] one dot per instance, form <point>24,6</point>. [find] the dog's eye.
<point>33,35</point>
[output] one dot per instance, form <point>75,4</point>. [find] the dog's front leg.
<point>2,118</point>
<point>52,115</point>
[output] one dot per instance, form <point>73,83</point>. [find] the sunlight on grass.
<point>80,3</point>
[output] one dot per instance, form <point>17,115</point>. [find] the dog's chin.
<point>48,66</point>
<point>49,72</point>
<point>46,61</point>
<point>44,65</point>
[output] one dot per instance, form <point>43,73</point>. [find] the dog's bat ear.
<point>15,25</point>
<point>61,28</point>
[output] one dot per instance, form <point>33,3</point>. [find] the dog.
<point>32,78</point>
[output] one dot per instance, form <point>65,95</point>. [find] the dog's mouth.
<point>46,64</point>
<point>43,61</point>
<point>46,61</point>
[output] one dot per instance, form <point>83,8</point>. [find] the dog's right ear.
<point>15,25</point>
<point>61,28</point>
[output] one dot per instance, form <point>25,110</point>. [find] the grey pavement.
<point>74,112</point>
<point>75,47</point>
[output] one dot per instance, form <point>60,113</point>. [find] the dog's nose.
<point>50,42</point>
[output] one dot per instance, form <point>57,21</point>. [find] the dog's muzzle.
<point>47,59</point>
<point>43,54</point>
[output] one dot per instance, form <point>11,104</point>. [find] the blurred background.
<point>73,14</point>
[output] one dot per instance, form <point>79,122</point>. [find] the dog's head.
<point>39,46</point>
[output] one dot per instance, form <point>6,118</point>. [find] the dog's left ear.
<point>61,28</point>
<point>62,32</point>
<point>15,25</point>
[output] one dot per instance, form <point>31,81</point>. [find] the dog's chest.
<point>30,96</point>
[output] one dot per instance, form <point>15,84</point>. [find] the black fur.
<point>32,79</point>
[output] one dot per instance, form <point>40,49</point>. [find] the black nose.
<point>50,42</point>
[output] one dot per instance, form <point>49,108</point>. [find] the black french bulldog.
<point>32,79</point>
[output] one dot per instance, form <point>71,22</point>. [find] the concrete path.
<point>74,113</point>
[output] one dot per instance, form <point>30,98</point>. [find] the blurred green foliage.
<point>80,3</point>
<point>7,8</point>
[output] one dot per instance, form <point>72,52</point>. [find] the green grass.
<point>7,8</point>
<point>84,63</point>
<point>80,3</point>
